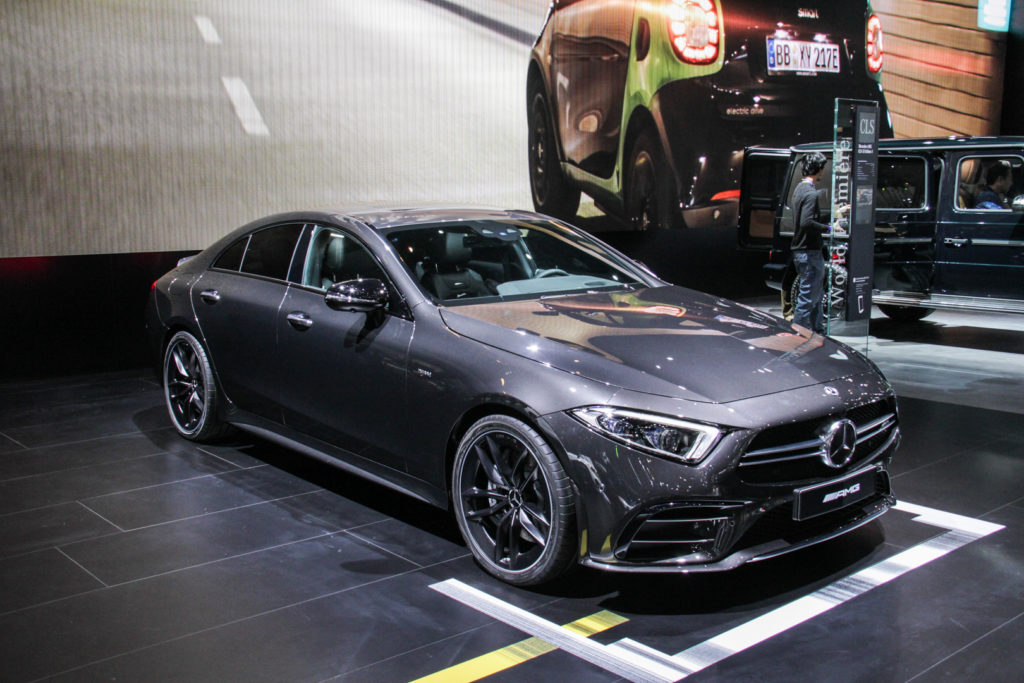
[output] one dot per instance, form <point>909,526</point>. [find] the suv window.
<point>988,183</point>
<point>901,183</point>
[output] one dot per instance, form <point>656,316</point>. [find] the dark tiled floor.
<point>128,553</point>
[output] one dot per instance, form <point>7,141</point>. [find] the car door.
<point>981,250</point>
<point>590,58</point>
<point>761,184</point>
<point>905,210</point>
<point>343,374</point>
<point>236,304</point>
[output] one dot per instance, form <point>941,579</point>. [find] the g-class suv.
<point>647,105</point>
<point>949,223</point>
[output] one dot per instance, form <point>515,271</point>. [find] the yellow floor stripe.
<point>517,653</point>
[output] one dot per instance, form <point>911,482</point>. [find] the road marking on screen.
<point>517,653</point>
<point>637,662</point>
<point>207,30</point>
<point>245,107</point>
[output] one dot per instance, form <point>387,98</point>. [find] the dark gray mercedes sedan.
<point>568,405</point>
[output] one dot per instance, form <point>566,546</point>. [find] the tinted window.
<point>232,258</point>
<point>901,183</point>
<point>270,251</point>
<point>989,183</point>
<point>336,257</point>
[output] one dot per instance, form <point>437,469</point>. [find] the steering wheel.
<point>549,272</point>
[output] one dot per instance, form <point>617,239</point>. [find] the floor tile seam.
<point>113,586</point>
<point>965,647</point>
<point>118,435</point>
<point>208,475</point>
<point>232,622</point>
<point>91,511</point>
<point>84,379</point>
<point>94,400</point>
<point>1013,503</point>
<point>79,408</point>
<point>15,442</point>
<point>460,634</point>
<point>217,512</point>
<point>78,564</point>
<point>391,552</point>
<point>82,467</point>
<point>957,454</point>
<point>121,492</point>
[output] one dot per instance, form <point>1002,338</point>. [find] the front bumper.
<point>643,513</point>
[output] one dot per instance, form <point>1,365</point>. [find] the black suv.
<point>647,105</point>
<point>949,223</point>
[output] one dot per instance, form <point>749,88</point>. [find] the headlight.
<point>686,441</point>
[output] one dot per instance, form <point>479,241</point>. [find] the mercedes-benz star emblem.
<point>838,443</point>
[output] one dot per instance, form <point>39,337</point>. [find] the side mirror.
<point>1018,204</point>
<point>360,296</point>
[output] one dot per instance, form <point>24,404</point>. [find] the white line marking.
<point>638,662</point>
<point>207,30</point>
<point>245,107</point>
<point>962,530</point>
<point>629,664</point>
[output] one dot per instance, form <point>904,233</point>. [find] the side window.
<point>989,183</point>
<point>901,183</point>
<point>231,259</point>
<point>336,257</point>
<point>270,251</point>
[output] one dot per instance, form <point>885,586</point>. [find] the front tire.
<point>189,389</point>
<point>513,502</point>
<point>552,193</point>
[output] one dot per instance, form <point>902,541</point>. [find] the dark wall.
<point>70,314</point>
<point>73,314</point>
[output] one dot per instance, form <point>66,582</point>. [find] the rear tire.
<point>552,193</point>
<point>513,502</point>
<point>648,192</point>
<point>190,391</point>
<point>905,314</point>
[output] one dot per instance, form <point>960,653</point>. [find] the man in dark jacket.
<point>807,245</point>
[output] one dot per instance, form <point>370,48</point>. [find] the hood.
<point>668,341</point>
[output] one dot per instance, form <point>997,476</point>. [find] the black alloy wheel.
<point>189,389</point>
<point>648,195</point>
<point>513,502</point>
<point>552,193</point>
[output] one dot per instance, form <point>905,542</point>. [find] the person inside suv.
<point>998,180</point>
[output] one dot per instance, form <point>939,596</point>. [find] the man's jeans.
<point>810,269</point>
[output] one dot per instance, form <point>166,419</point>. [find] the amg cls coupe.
<point>647,105</point>
<point>565,403</point>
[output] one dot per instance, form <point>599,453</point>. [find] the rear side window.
<point>901,183</point>
<point>269,252</point>
<point>232,258</point>
<point>989,183</point>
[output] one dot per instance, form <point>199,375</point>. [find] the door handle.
<point>300,320</point>
<point>210,296</point>
<point>957,241</point>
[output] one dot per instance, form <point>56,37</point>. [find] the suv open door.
<point>764,174</point>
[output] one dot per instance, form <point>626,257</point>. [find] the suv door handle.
<point>210,296</point>
<point>300,320</point>
<point>957,241</point>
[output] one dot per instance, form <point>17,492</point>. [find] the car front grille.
<point>792,454</point>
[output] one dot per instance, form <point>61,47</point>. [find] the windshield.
<point>502,260</point>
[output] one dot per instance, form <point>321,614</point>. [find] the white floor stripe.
<point>624,662</point>
<point>245,107</point>
<point>638,662</point>
<point>207,30</point>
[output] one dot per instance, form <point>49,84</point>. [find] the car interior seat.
<point>967,187</point>
<point>446,274</point>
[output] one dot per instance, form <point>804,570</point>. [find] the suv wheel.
<point>905,314</point>
<point>648,191</point>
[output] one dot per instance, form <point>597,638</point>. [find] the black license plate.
<point>811,501</point>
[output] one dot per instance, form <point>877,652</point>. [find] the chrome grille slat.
<point>811,443</point>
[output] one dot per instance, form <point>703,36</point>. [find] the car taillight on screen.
<point>874,44</point>
<point>694,31</point>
